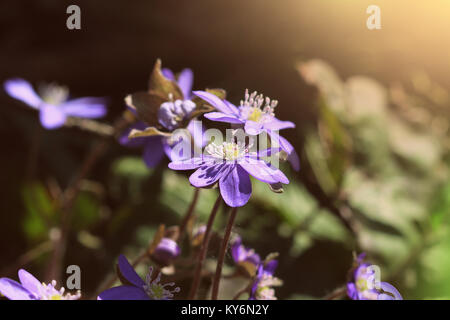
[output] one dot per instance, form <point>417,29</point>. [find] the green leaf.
<point>86,211</point>
<point>40,211</point>
<point>177,194</point>
<point>131,167</point>
<point>299,210</point>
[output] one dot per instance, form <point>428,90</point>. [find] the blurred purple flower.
<point>365,286</point>
<point>230,164</point>
<point>53,106</point>
<point>31,288</point>
<point>184,81</point>
<point>256,115</point>
<point>166,251</point>
<point>198,235</point>
<point>136,288</point>
<point>242,254</point>
<point>264,281</point>
<point>170,115</point>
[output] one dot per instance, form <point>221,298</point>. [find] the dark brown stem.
<point>93,126</point>
<point>189,213</point>
<point>68,200</point>
<point>223,250</point>
<point>203,250</point>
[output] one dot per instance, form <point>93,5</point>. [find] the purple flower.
<point>230,164</point>
<point>365,286</point>
<point>198,235</point>
<point>256,115</point>
<point>171,115</point>
<point>184,81</point>
<point>136,288</point>
<point>52,104</point>
<point>244,257</point>
<point>31,288</point>
<point>264,281</point>
<point>166,251</point>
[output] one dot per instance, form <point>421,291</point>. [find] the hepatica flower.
<point>230,164</point>
<point>30,288</point>
<point>166,105</point>
<point>198,235</point>
<point>166,251</point>
<point>53,104</point>
<point>364,284</point>
<point>136,288</point>
<point>244,257</point>
<point>264,281</point>
<point>256,114</point>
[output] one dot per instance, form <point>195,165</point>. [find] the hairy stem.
<point>223,250</point>
<point>90,125</point>
<point>203,250</point>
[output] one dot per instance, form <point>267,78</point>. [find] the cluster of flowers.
<point>170,105</point>
<point>158,115</point>
<point>261,271</point>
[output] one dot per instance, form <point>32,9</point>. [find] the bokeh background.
<point>371,109</point>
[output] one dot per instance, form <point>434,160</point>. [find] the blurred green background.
<point>371,109</point>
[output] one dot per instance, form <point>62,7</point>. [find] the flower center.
<point>54,94</point>
<point>156,290</point>
<point>49,292</point>
<point>255,115</point>
<point>362,284</point>
<point>265,293</point>
<point>265,290</point>
<point>364,279</point>
<point>255,107</point>
<point>229,151</point>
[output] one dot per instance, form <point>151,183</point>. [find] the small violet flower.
<point>256,115</point>
<point>53,104</point>
<point>264,281</point>
<point>166,251</point>
<point>136,288</point>
<point>363,284</point>
<point>245,257</point>
<point>32,289</point>
<point>198,235</point>
<point>230,164</point>
<point>171,114</point>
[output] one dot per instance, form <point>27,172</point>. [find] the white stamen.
<point>259,104</point>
